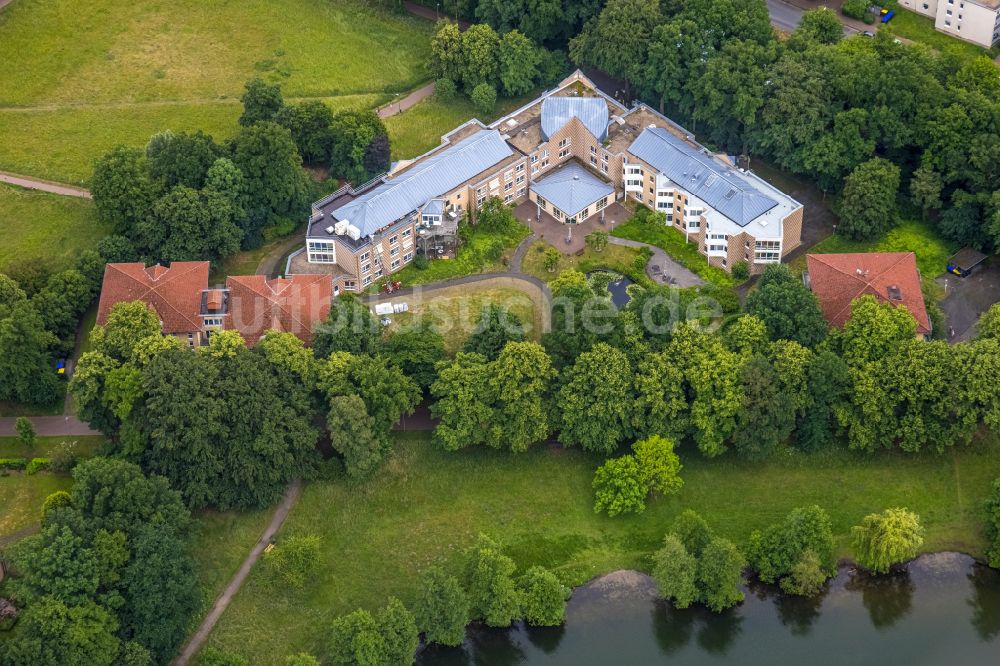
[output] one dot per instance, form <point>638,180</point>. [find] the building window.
<point>534,158</point>
<point>602,203</point>
<point>395,264</point>
<point>407,233</point>
<point>638,196</point>
<point>520,179</point>
<point>213,322</point>
<point>593,160</point>
<point>508,175</point>
<point>563,153</point>
<point>394,240</point>
<point>508,198</point>
<point>367,281</point>
<point>520,167</point>
<point>556,213</point>
<point>520,192</point>
<point>534,169</point>
<point>367,268</point>
<point>407,256</point>
<point>947,23</point>
<point>604,167</point>
<point>508,187</point>
<point>604,157</point>
<point>363,257</point>
<point>545,162</point>
<point>394,252</point>
<point>541,202</point>
<point>593,150</point>
<point>584,214</point>
<point>565,142</point>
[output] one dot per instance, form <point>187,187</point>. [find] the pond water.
<point>944,609</point>
<point>617,288</point>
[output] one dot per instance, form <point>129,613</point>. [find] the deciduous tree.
<point>885,539</point>
<point>867,208</point>
<point>596,399</point>
<point>442,608</point>
<point>618,487</point>
<point>543,597</point>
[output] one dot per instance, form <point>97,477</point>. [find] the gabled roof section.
<point>293,304</point>
<point>173,292</point>
<point>720,186</point>
<point>891,277</point>
<point>431,177</point>
<point>572,188</point>
<point>591,111</point>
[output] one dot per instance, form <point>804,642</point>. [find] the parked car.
<point>868,33</point>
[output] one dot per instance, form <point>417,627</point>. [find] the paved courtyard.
<point>568,238</point>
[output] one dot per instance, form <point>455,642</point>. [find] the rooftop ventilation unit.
<point>731,193</point>
<point>895,294</point>
<point>330,230</point>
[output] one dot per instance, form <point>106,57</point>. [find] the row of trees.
<point>749,388</point>
<point>353,144</point>
<point>696,566</point>
<point>38,324</point>
<point>488,591</point>
<point>894,117</point>
<point>109,579</point>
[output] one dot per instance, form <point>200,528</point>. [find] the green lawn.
<point>426,506</point>
<point>455,311</point>
<point>468,261</point>
<point>618,258</point>
<point>672,241</point>
<point>37,225</point>
<point>80,77</point>
<point>220,542</point>
<point>421,127</point>
<point>21,495</point>
<point>21,498</point>
<point>919,28</point>
<point>910,236</point>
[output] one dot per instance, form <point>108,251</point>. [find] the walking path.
<point>415,97</point>
<point>522,249</point>
<point>670,272</point>
<point>431,14</point>
<point>50,426</point>
<point>44,185</point>
<point>199,637</point>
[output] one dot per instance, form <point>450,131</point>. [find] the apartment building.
<point>573,151</point>
<point>976,21</point>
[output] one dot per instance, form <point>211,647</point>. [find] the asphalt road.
<point>787,17</point>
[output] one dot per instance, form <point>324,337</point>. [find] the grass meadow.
<point>49,227</point>
<point>80,77</point>
<point>426,506</point>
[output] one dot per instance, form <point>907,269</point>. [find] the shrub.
<point>550,260</point>
<point>212,657</point>
<point>445,90</point>
<point>63,458</point>
<point>420,262</point>
<point>484,98</point>
<point>543,597</point>
<point>442,608</point>
<point>797,547</point>
<point>56,500</point>
<point>493,595</point>
<point>888,538</point>
<point>659,466</point>
<point>674,570</point>
<point>806,577</point>
<point>741,271</point>
<point>992,509</point>
<point>618,487</point>
<point>294,560</point>
<point>37,465</point>
<point>25,430</point>
<point>13,463</point>
<point>856,9</point>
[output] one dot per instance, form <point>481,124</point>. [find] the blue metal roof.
<point>718,185</point>
<point>434,207</point>
<point>592,112</point>
<point>431,177</point>
<point>572,188</point>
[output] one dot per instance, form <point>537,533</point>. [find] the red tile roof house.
<point>174,292</point>
<point>189,309</point>
<point>290,305</point>
<point>891,277</point>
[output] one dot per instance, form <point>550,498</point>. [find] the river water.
<point>944,609</point>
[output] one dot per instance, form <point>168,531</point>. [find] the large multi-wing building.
<point>976,21</point>
<point>572,152</point>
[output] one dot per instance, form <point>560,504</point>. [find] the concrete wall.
<point>967,20</point>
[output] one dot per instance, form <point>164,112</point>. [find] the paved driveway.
<point>969,297</point>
